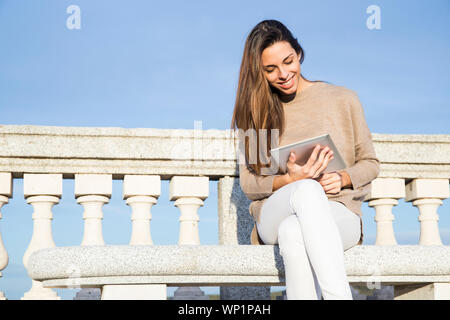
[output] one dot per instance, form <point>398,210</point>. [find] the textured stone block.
<point>141,185</point>
<point>93,184</point>
<point>427,188</point>
<point>6,184</point>
<point>245,293</point>
<point>42,184</point>
<point>185,186</point>
<point>387,188</point>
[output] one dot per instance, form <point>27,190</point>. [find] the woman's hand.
<point>331,182</point>
<point>313,167</point>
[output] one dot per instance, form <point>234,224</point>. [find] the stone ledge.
<point>223,281</point>
<point>214,264</point>
<point>171,281</point>
<point>168,152</point>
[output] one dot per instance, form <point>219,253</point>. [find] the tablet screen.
<point>303,149</point>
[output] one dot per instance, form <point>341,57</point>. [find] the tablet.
<point>303,150</point>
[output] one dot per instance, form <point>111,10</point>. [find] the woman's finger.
<point>322,162</point>
<point>312,157</point>
<point>326,161</point>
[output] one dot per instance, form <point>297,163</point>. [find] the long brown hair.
<point>257,104</point>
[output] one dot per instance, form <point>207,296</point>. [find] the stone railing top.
<point>225,260</point>
<point>167,152</point>
<point>157,132</point>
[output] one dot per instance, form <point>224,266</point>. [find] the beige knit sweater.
<point>318,109</point>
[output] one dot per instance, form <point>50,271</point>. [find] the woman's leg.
<point>327,224</point>
<point>348,223</point>
<point>301,282</point>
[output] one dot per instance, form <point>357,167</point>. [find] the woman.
<point>313,216</point>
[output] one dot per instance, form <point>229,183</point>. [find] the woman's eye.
<point>289,62</point>
<point>269,71</point>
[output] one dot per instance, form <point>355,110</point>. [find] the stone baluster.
<point>141,193</point>
<point>92,191</point>
<point>384,194</point>
<point>42,191</point>
<point>6,185</point>
<point>189,193</point>
<point>427,195</point>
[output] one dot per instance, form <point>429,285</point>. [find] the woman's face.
<point>281,66</point>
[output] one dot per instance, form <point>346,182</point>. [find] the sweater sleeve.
<point>367,166</point>
<point>255,187</point>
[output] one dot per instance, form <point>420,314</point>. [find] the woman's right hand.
<point>313,168</point>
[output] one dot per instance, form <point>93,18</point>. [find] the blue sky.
<point>142,64</point>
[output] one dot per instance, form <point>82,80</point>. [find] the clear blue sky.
<point>166,64</point>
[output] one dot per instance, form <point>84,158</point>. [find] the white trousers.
<point>312,233</point>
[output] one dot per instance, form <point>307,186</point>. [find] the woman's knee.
<point>308,185</point>
<point>307,190</point>
<point>289,233</point>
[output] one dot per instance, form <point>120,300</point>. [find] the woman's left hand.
<point>331,182</point>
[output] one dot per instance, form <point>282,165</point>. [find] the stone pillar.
<point>6,186</point>
<point>141,193</point>
<point>189,193</point>
<point>235,226</point>
<point>427,195</point>
<point>92,191</point>
<point>384,194</point>
<point>42,191</point>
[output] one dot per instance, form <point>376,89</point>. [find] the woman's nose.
<point>283,74</point>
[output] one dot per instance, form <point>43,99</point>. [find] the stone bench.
<point>124,271</point>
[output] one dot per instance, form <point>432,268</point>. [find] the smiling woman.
<point>270,75</point>
<point>313,216</point>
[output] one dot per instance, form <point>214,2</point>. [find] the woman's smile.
<point>287,84</point>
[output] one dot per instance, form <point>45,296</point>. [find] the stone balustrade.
<point>415,168</point>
